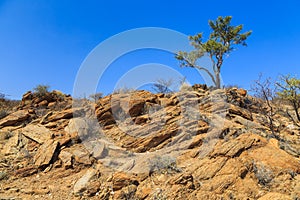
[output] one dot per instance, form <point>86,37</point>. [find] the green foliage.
<point>289,90</point>
<point>41,90</point>
<point>222,41</point>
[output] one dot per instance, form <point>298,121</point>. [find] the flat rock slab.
<point>65,114</point>
<point>14,118</point>
<point>38,133</point>
<point>46,153</point>
<point>81,185</point>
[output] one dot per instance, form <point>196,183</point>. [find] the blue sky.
<point>46,41</point>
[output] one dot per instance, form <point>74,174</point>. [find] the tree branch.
<point>200,68</point>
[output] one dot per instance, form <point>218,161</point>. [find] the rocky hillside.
<point>195,144</point>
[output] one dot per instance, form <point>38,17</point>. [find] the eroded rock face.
<point>197,144</point>
<point>15,118</point>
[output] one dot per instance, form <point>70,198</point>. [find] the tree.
<point>263,89</point>
<point>289,90</point>
<point>221,42</point>
<point>162,86</point>
<point>41,90</point>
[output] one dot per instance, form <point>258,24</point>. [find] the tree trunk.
<point>296,110</point>
<point>218,81</point>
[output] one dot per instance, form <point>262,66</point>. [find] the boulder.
<point>121,180</point>
<point>38,133</point>
<point>82,184</point>
<point>274,157</point>
<point>46,154</point>
<point>136,108</point>
<point>236,146</point>
<point>236,110</point>
<point>77,153</point>
<point>141,119</point>
<point>52,105</point>
<point>27,96</point>
<point>78,125</point>
<point>242,92</point>
<point>105,118</point>
<point>43,103</point>
<point>66,158</point>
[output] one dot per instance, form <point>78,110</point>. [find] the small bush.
<point>184,87</point>
<point>263,174</point>
<point>128,193</point>
<point>3,113</point>
<point>59,94</point>
<point>3,175</point>
<point>159,195</point>
<point>2,96</point>
<point>163,86</point>
<point>95,97</point>
<point>123,90</point>
<point>41,90</point>
<point>231,86</point>
<point>163,164</point>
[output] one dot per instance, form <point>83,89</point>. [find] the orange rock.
<point>43,103</point>
<point>121,180</point>
<point>242,92</point>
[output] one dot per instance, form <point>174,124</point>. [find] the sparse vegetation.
<point>3,175</point>
<point>263,174</point>
<point>6,105</point>
<point>128,193</point>
<point>3,113</point>
<point>163,164</point>
<point>221,42</point>
<point>184,87</point>
<point>5,135</point>
<point>2,96</point>
<point>163,86</point>
<point>41,90</point>
<point>95,97</point>
<point>123,90</point>
<point>289,90</point>
<point>263,89</point>
<point>159,195</point>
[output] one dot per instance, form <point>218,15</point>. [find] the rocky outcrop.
<point>196,144</point>
<point>53,100</point>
